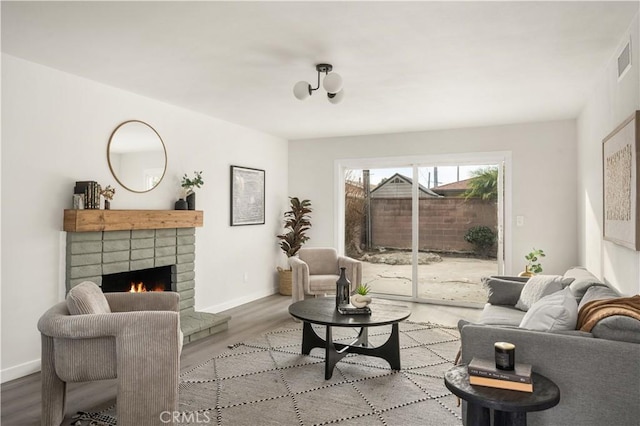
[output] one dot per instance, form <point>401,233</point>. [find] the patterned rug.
<point>266,381</point>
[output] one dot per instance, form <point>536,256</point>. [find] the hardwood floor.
<point>20,399</point>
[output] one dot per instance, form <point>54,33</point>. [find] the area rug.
<point>267,381</point>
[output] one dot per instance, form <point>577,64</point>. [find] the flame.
<point>137,288</point>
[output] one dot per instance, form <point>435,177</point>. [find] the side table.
<point>509,407</point>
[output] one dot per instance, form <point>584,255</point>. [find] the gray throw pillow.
<point>87,298</point>
<point>539,286</point>
<point>501,291</point>
<point>555,312</point>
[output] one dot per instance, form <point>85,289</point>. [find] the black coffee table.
<point>323,311</point>
<point>509,407</point>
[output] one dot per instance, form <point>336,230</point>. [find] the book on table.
<point>487,368</point>
<point>501,384</point>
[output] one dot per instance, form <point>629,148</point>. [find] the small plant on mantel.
<point>188,184</point>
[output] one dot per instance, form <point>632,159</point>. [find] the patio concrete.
<point>454,279</point>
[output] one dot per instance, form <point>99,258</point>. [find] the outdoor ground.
<point>448,278</point>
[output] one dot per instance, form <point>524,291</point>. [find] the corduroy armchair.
<point>315,272</point>
<point>134,337</point>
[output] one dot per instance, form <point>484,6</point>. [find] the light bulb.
<point>332,83</point>
<point>302,90</point>
<point>336,98</point>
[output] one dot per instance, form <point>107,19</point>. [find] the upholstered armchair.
<point>316,270</point>
<point>132,337</point>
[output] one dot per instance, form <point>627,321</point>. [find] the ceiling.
<point>406,66</point>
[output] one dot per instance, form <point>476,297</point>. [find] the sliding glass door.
<point>421,231</point>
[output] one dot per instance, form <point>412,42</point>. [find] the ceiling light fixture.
<point>332,83</point>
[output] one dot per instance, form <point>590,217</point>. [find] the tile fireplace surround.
<point>92,254</point>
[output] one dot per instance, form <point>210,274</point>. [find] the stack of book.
<point>483,372</point>
<point>90,193</point>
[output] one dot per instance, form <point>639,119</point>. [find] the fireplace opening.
<point>142,280</point>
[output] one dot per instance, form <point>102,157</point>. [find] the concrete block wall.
<point>93,254</point>
<point>442,222</point>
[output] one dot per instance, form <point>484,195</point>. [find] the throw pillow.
<point>539,286</point>
<point>87,298</point>
<point>502,291</point>
<point>555,312</point>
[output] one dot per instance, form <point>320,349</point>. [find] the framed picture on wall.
<point>247,196</point>
<point>621,186</point>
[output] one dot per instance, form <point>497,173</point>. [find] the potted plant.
<point>297,223</point>
<point>533,266</point>
<point>361,297</point>
<point>188,185</point>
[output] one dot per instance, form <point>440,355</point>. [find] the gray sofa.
<point>598,372</point>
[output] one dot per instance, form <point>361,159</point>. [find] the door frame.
<point>500,158</point>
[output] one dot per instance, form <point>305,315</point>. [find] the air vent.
<point>624,61</point>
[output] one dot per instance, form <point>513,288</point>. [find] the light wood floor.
<point>20,399</point>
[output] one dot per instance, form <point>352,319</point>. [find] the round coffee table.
<point>509,407</point>
<point>323,311</point>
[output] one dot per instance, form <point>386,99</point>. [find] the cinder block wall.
<point>442,224</point>
<point>93,254</point>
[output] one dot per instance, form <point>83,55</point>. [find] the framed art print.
<point>620,184</point>
<point>247,196</point>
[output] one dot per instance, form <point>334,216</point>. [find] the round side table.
<point>509,407</point>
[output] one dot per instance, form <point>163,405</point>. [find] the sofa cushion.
<point>539,286</point>
<point>582,280</point>
<point>597,292</point>
<point>501,315</point>
<point>554,312</point>
<point>87,298</point>
<point>502,291</point>
<point>618,327</point>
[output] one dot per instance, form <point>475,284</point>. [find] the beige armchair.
<point>316,270</point>
<point>134,337</point>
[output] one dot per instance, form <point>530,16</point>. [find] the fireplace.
<point>142,280</point>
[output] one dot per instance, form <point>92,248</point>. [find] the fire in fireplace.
<point>153,279</point>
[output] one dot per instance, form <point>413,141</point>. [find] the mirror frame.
<point>164,149</point>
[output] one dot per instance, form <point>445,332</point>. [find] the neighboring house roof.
<point>399,186</point>
<point>452,189</point>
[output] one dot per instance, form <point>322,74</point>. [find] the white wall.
<point>543,178</point>
<point>55,130</point>
<point>609,104</point>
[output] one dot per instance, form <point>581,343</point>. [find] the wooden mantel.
<point>120,220</point>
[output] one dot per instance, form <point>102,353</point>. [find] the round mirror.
<point>137,156</point>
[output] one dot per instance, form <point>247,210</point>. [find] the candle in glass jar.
<point>505,355</point>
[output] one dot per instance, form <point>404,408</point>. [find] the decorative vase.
<point>360,301</point>
<point>343,286</point>
<point>526,273</point>
<point>181,204</point>
<point>107,204</point>
<point>191,201</point>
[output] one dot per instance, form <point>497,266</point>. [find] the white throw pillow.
<point>539,286</point>
<point>555,312</point>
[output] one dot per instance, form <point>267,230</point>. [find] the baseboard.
<point>239,301</point>
<point>19,371</point>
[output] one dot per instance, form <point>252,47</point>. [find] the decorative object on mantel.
<point>332,83</point>
<point>108,194</point>
<point>88,195</point>
<point>247,196</point>
<point>361,297</point>
<point>188,185</point>
<point>532,268</point>
<point>297,222</point>
<point>181,204</point>
<point>621,183</point>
